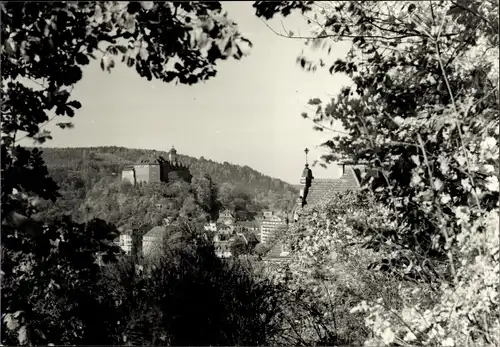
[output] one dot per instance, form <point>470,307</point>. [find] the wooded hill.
<point>77,170</point>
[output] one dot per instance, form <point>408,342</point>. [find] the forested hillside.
<point>79,170</point>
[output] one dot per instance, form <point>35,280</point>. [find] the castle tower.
<point>172,156</point>
<point>172,169</point>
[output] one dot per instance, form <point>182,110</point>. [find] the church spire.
<point>306,181</point>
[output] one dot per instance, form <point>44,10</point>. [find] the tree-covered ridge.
<point>79,170</point>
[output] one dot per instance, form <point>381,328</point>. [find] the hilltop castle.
<point>159,169</point>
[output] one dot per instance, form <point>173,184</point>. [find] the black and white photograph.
<point>250,173</point>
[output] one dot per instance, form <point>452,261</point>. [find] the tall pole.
<point>306,151</point>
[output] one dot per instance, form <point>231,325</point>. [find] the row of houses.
<point>225,233</point>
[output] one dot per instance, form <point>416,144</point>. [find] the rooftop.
<point>323,189</point>
<point>223,245</point>
<point>274,253</point>
<point>148,161</point>
<point>248,225</point>
<point>226,213</point>
<point>156,232</point>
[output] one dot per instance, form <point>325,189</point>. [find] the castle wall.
<point>147,173</point>
<point>141,173</point>
<point>128,175</point>
<point>154,173</point>
<point>169,173</point>
<point>150,172</point>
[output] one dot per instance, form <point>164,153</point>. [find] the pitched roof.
<point>251,237</point>
<point>147,162</point>
<point>150,158</point>
<point>275,254</point>
<point>226,214</point>
<point>224,227</point>
<point>223,245</point>
<point>247,237</point>
<point>157,232</point>
<point>248,224</point>
<point>323,189</point>
<point>273,218</point>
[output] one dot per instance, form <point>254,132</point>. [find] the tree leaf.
<point>143,53</point>
<point>10,321</point>
<point>121,48</point>
<point>147,5</point>
<point>22,336</point>
<point>75,104</point>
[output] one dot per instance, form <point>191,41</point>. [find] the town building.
<point>125,240</point>
<point>270,225</point>
<point>153,240</point>
<point>226,217</point>
<point>314,191</point>
<point>224,231</point>
<point>252,226</point>
<point>249,239</point>
<point>223,249</point>
<point>126,243</point>
<point>241,242</point>
<point>210,227</point>
<point>150,170</point>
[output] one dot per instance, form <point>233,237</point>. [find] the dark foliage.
<point>191,297</point>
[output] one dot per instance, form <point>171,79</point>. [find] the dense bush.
<point>422,111</point>
<point>51,283</point>
<point>330,272</point>
<point>188,296</point>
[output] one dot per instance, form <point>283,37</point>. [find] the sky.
<point>249,114</point>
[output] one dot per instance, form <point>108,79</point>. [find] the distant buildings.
<point>125,241</point>
<point>224,231</point>
<point>223,249</point>
<point>249,226</point>
<point>270,225</point>
<point>230,236</point>
<point>226,217</point>
<point>314,191</point>
<point>153,240</point>
<point>211,227</point>
<point>242,243</point>
<point>152,170</point>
